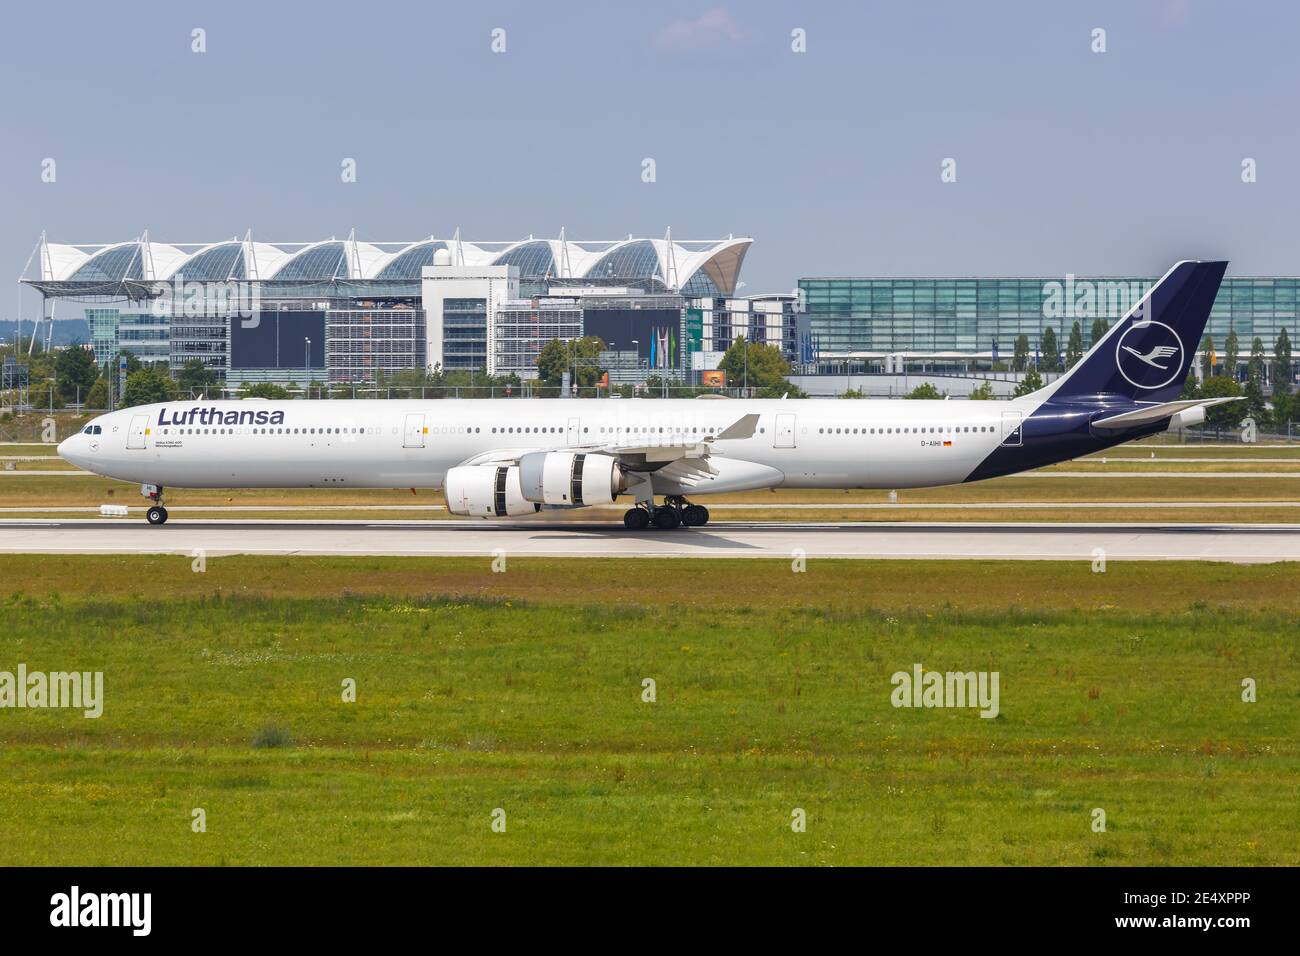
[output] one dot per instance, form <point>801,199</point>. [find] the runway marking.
<point>713,506</point>
<point>1155,474</point>
<point>775,540</point>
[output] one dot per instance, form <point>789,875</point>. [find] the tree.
<point>757,366</point>
<point>1051,360</point>
<point>1283,378</point>
<point>1074,347</point>
<point>97,397</point>
<point>193,376</point>
<point>1254,390</point>
<point>75,371</point>
<point>1099,329</point>
<point>1226,416</point>
<point>925,391</point>
<point>1283,373</point>
<point>1020,358</point>
<point>1231,347</point>
<point>147,386</point>
<point>1207,357</point>
<point>1032,382</point>
<point>558,356</point>
<point>983,392</point>
<point>264,390</point>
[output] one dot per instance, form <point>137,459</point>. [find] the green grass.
<point>523,691</point>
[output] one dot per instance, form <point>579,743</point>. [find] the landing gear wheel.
<point>695,516</point>
<point>156,515</point>
<point>666,519</point>
<point>636,519</point>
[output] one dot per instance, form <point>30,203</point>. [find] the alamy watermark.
<point>922,688</point>
<point>1092,299</point>
<point>233,297</point>
<point>75,908</point>
<point>79,690</point>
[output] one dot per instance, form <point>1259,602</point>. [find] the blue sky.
<point>1067,160</point>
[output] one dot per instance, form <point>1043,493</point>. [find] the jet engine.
<point>486,491</point>
<point>570,478</point>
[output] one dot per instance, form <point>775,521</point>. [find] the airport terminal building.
<point>346,311</point>
<point>897,325</point>
<point>349,311</point>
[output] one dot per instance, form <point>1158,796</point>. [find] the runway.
<point>1244,544</point>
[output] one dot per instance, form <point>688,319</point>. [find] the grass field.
<point>523,691</point>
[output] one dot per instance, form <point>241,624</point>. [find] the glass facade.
<point>523,327</point>
<point>408,264</point>
<point>766,320</point>
<point>323,262</point>
<point>217,264</point>
<point>533,259</point>
<point>111,265</point>
<point>103,333</point>
<point>362,344</point>
<point>870,317</point>
<point>635,260</point>
<point>145,335</point>
<point>465,334</point>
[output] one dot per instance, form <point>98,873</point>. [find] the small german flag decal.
<point>947,444</point>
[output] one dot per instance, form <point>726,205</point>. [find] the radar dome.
<point>442,257</point>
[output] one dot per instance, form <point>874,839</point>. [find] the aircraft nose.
<point>68,450</point>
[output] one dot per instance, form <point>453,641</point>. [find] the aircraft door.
<point>573,434</point>
<point>415,431</point>
<point>1011,428</point>
<point>783,437</point>
<point>135,435</point>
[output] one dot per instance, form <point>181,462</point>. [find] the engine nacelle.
<point>1187,418</point>
<point>570,478</point>
<point>486,491</point>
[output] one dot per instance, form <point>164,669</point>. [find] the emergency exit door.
<point>135,436</point>
<point>414,432</point>
<point>1011,428</point>
<point>783,437</point>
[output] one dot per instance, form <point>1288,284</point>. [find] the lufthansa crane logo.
<point>1149,355</point>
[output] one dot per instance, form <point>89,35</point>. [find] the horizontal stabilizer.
<point>1150,414</point>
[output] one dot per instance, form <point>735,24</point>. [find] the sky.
<point>1067,160</point>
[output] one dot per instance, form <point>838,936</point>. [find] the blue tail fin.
<point>1147,355</point>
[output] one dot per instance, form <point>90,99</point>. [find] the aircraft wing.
<point>1154,413</point>
<point>688,452</point>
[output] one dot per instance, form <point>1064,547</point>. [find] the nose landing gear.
<point>156,514</point>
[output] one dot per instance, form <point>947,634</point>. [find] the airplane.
<point>501,458</point>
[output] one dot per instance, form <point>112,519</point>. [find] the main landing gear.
<point>156,514</point>
<point>675,512</point>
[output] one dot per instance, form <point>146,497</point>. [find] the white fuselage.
<point>817,443</point>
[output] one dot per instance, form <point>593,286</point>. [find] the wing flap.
<point>672,448</point>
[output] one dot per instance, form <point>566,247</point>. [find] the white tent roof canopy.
<point>674,263</point>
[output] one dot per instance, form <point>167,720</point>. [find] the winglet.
<point>743,427</point>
